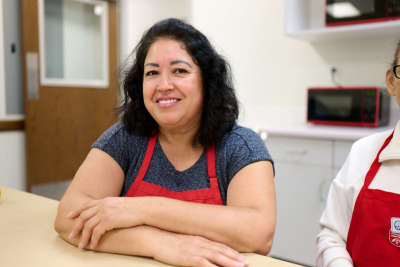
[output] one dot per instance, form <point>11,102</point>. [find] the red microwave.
<point>348,106</point>
<point>345,12</point>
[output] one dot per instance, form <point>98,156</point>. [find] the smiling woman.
<point>176,179</point>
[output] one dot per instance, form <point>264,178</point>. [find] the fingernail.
<point>69,214</point>
<point>71,236</point>
<point>80,245</point>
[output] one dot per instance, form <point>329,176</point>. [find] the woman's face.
<point>393,84</point>
<point>172,86</point>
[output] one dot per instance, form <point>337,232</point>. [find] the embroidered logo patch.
<point>394,233</point>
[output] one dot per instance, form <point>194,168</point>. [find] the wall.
<point>136,16</point>
<point>12,159</point>
<point>2,73</point>
<point>272,70</point>
<point>12,143</point>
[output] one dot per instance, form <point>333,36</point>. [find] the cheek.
<point>147,90</point>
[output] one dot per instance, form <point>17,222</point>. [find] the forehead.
<point>167,49</point>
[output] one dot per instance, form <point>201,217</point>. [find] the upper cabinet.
<point>305,19</point>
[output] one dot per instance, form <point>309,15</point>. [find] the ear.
<point>390,82</point>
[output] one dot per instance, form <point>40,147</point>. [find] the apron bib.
<point>374,233</point>
<point>207,195</point>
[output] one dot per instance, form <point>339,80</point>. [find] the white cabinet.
<point>305,20</point>
<point>304,169</point>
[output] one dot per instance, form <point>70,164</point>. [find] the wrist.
<point>138,209</point>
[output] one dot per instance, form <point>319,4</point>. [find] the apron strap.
<point>368,179</point>
<point>211,162</point>
<point>145,164</point>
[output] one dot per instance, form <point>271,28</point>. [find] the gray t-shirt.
<point>238,148</point>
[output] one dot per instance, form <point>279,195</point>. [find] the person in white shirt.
<point>361,221</point>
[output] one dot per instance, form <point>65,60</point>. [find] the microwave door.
<point>334,106</point>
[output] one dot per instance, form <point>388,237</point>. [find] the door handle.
<point>32,75</point>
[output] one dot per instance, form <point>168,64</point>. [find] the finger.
<point>202,262</point>
<point>76,213</point>
<point>76,229</point>
<point>83,217</point>
<point>220,259</point>
<point>87,231</point>
<point>229,252</point>
<point>97,233</point>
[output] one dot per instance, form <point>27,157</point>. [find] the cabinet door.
<point>300,150</point>
<point>340,151</point>
<point>300,191</point>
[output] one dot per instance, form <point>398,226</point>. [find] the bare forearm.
<point>130,241</point>
<point>164,246</point>
<point>137,241</point>
<point>241,228</point>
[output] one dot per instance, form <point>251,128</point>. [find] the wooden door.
<point>64,115</point>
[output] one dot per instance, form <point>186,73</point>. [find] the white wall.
<point>136,16</point>
<point>272,70</point>
<point>2,83</point>
<point>12,159</point>
<point>12,143</point>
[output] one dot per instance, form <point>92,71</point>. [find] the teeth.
<point>167,101</point>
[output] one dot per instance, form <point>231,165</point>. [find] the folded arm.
<point>246,224</point>
<point>99,178</point>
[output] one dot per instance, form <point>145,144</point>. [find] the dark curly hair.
<point>220,106</point>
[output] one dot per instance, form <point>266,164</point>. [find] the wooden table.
<point>27,238</point>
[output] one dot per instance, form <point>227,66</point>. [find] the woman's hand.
<point>96,217</point>
<point>187,250</point>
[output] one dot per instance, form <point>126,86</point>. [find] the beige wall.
<point>136,16</point>
<point>273,70</point>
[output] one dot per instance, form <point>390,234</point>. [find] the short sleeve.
<point>114,141</point>
<point>244,147</point>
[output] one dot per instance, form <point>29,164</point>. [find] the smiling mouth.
<point>167,101</point>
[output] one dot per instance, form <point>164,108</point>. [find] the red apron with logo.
<point>374,234</point>
<point>207,195</point>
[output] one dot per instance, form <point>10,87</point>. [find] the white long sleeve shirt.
<point>335,220</point>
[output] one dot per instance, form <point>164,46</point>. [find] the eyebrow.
<point>172,63</point>
<point>181,61</point>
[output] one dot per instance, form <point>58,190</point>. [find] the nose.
<point>164,82</point>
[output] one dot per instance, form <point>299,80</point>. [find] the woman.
<point>176,180</point>
<point>361,222</point>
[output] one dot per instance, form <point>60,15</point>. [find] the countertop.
<point>291,122</point>
<point>27,238</point>
<point>307,130</point>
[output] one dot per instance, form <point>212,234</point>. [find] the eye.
<point>180,71</point>
<point>151,73</point>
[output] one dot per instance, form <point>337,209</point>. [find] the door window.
<point>73,38</point>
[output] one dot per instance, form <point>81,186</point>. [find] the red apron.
<point>374,234</point>
<point>207,195</point>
